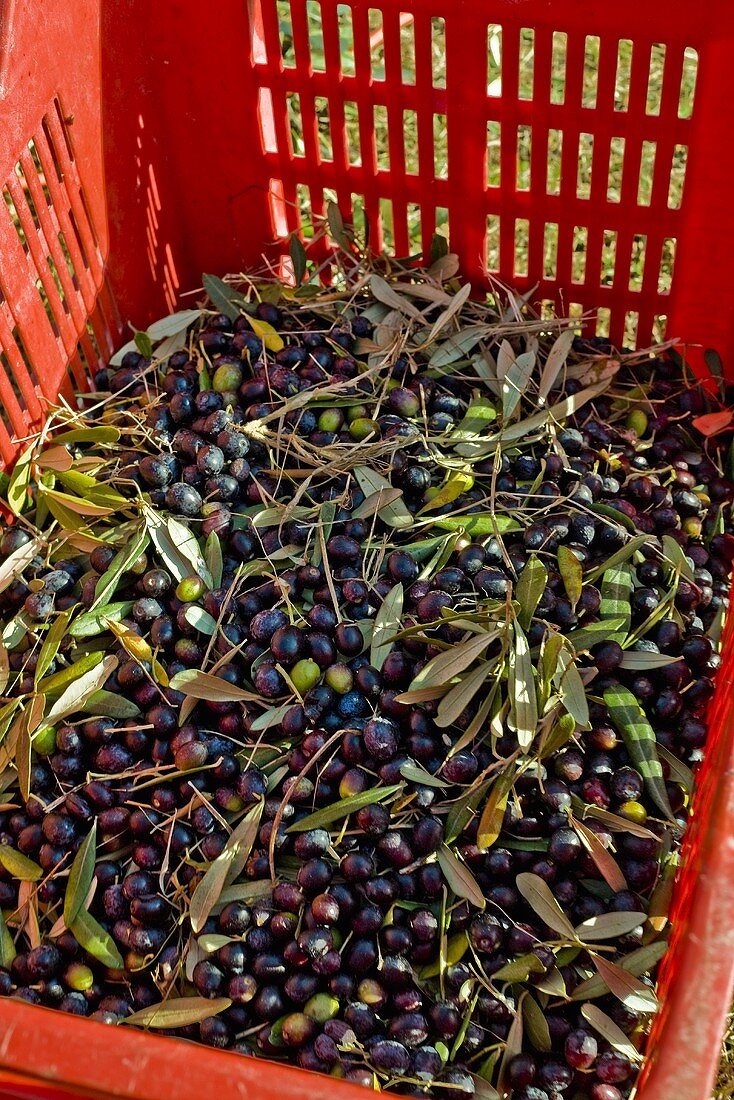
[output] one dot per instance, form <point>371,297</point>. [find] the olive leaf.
<point>19,866</point>
<point>242,839</point>
<point>226,299</point>
<point>513,1046</point>
<point>455,486</point>
<point>605,862</point>
<point>394,513</point>
<point>586,637</point>
<point>639,739</point>
<point>679,772</point>
<point>571,689</point>
<point>529,589</point>
<point>523,716</point>
<point>457,345</point>
<point>95,622</point>
<point>441,668</point>
<point>628,989</point>
<point>456,948</point>
<point>616,518</point>
<point>414,773</point>
<point>643,661</point>
<point>81,876</point>
<point>515,382</point>
<point>213,558</point>
<point>619,557</point>
<point>51,643</point>
<point>56,683</point>
<point>385,293</point>
<point>462,810</point>
<point>270,337</point>
<point>451,310</point>
<point>455,702</point>
<point>616,595</point>
<point>107,583</point>
<point>571,572</point>
<point>608,926</point>
<point>519,969</point>
<point>472,429</point>
<point>212,689</point>
<point>13,565</point>
<point>477,524</point>
<point>18,495</point>
<point>640,961</point>
<point>345,806</point>
<point>459,877</point>
<point>554,364</point>
<point>4,668</point>
<point>177,1012</point>
<point>610,1031</point>
<point>200,619</point>
<point>109,704</point>
<point>674,553</point>
<point>298,257</point>
<point>100,434</point>
<point>387,623</point>
<point>536,1027</point>
<point>96,941</point>
<point>557,736</point>
<point>7,946</point>
<point>490,823</point>
<point>540,899</point>
<point>208,889</point>
<point>78,692</point>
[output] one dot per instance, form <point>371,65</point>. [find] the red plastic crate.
<point>143,143</point>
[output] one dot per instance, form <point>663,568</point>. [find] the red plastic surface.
<point>143,143</point>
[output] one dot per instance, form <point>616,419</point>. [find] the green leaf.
<point>345,806</point>
<point>540,899</point>
<point>620,556</point>
<point>14,564</point>
<point>298,258</point>
<point>639,739</point>
<point>619,519</point>
<point>51,643</point>
<point>108,582</point>
<point>414,773</point>
<point>674,553</point>
<point>441,668</point>
<point>610,1031</point>
<point>627,988</point>
<point>242,839</point>
<point>18,865</point>
<point>201,620</point>
<point>462,810</point>
<point>530,588</point>
<point>78,692</point>
<point>536,1027</point>
<point>7,946</point>
<point>523,716</point>
<point>616,596</point>
<point>80,877</point>
<point>455,702</point>
<point>203,685</point>
<point>455,486</point>
<point>110,704</point>
<point>98,943</point>
<point>456,948</point>
<point>586,637</point>
<point>554,364</point>
<point>571,689</point>
<point>476,524</point>
<point>493,814</point>
<point>173,323</point>
<point>177,1012</point>
<point>473,428</point>
<point>94,622</point>
<point>18,495</point>
<point>387,623</point>
<point>519,969</point>
<point>394,513</point>
<point>459,877</point>
<point>337,231</point>
<point>516,382</point>
<point>225,298</point>
<point>456,346</point>
<point>144,344</point>
<point>208,889</point>
<point>571,572</point>
<point>638,962</point>
<point>559,734</point>
<point>213,558</point>
<point>89,435</point>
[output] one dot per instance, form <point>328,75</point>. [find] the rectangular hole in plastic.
<point>440,148</point>
<point>655,79</point>
<point>4,417</point>
<point>315,36</point>
<point>25,356</point>
<point>52,149</point>
<point>558,67</point>
<point>77,237</point>
<point>578,258</point>
<point>351,130</point>
<point>323,127</point>
<point>64,127</point>
<point>303,202</point>
<point>608,256</point>
<point>575,309</point>
<point>494,59</point>
<point>93,341</point>
<point>438,52</point>
<point>616,168</point>
<point>285,29</point>
<point>647,168</point>
<point>591,71</point>
<point>677,177</point>
<point>555,155</point>
<point>583,172</point>
<point>386,221</point>
<point>493,242</point>
<point>27,195</point>
<point>522,168</point>
<point>624,71</point>
<point>522,238</point>
<point>33,150</point>
<point>68,260</point>
<point>667,263</point>
<point>494,137</point>
<point>603,317</point>
<point>550,250</point>
<point>688,83</point>
<point>442,221</point>
<point>410,141</point>
<point>47,306</point>
<point>377,44</point>
<point>16,390</point>
<point>659,327</point>
<point>56,278</point>
<point>15,219</point>
<point>295,123</point>
<point>413,217</point>
<point>637,261</point>
<point>266,119</point>
<point>547,309</point>
<point>526,63</point>
<point>359,218</point>
<point>631,322</point>
<point>382,144</point>
<point>407,48</point>
<point>346,39</point>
